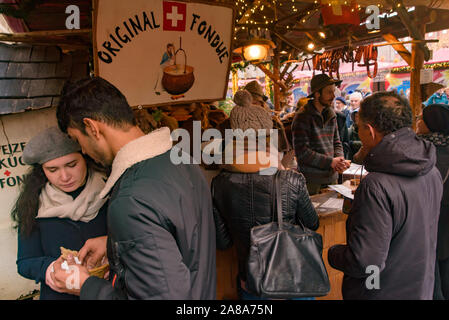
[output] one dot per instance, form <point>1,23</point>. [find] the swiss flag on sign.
<point>336,12</point>
<point>174,16</point>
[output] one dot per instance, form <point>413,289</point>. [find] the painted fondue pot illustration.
<point>178,78</point>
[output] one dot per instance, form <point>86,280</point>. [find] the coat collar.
<point>149,146</point>
<point>327,114</point>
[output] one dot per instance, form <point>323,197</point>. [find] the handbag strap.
<point>278,198</point>
<point>447,176</point>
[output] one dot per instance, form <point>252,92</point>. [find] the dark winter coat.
<point>161,232</point>
<point>343,132</point>
<point>443,224</point>
<point>38,250</point>
<point>244,200</point>
<point>393,222</point>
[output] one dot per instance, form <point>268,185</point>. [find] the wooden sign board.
<point>164,52</point>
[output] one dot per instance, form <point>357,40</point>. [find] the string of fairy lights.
<point>270,15</point>
<point>262,15</point>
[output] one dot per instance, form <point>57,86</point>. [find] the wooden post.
<point>415,75</point>
<point>277,73</point>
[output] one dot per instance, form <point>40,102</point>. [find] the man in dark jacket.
<point>392,227</point>
<point>316,141</point>
<point>434,127</point>
<point>161,232</point>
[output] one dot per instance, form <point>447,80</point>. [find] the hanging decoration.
<point>329,61</point>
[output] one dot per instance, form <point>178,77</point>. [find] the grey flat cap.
<point>47,145</point>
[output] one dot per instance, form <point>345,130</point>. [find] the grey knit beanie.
<point>247,116</point>
<point>47,145</point>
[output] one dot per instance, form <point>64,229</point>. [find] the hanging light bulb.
<point>255,49</point>
<point>311,46</point>
<point>322,34</point>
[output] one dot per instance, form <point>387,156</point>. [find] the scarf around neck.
<point>437,138</point>
<point>55,203</point>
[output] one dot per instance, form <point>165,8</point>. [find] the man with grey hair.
<point>354,104</point>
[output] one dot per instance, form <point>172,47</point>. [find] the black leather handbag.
<point>285,260</point>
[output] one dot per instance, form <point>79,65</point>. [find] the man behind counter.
<point>316,140</point>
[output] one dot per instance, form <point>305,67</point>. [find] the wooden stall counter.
<point>333,230</point>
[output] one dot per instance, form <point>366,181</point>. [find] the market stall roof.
<point>293,23</point>
<point>296,24</point>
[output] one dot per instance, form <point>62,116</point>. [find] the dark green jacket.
<point>161,232</point>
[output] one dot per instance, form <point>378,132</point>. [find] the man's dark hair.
<point>386,112</point>
<point>93,98</point>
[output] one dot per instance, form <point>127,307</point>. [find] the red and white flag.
<point>337,12</point>
<point>174,16</point>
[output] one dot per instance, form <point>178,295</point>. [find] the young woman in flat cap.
<point>58,206</point>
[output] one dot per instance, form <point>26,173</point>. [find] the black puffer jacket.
<point>160,234</point>
<point>244,200</point>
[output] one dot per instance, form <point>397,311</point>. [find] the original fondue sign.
<point>164,52</point>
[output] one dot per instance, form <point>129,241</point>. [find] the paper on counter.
<point>355,169</point>
<point>343,190</point>
<point>333,203</point>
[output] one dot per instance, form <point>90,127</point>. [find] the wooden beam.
<point>272,76</point>
<point>276,87</point>
<point>429,3</point>
<point>406,42</point>
<point>290,43</point>
<point>51,33</point>
<point>412,26</point>
<point>418,57</point>
<point>400,48</point>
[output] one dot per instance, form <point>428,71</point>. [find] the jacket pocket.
<point>142,275</point>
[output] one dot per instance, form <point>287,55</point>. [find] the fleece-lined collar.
<point>149,146</point>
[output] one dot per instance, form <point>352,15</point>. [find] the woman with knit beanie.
<point>58,206</point>
<point>243,191</point>
<point>433,126</point>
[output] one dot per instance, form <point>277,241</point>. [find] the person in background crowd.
<point>301,103</point>
<point>340,109</point>
<point>392,227</point>
<point>243,191</point>
<point>161,235</point>
<point>354,104</point>
<point>365,93</point>
<point>58,206</point>
<point>439,97</point>
<point>340,104</point>
<point>259,99</point>
<point>316,141</point>
<point>433,126</point>
<point>353,136</point>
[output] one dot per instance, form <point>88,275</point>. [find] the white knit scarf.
<point>54,202</point>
